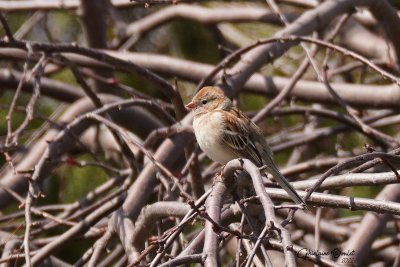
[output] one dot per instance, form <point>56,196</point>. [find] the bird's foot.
<point>263,168</point>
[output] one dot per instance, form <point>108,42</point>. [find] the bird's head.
<point>208,99</point>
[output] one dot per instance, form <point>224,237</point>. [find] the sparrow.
<point>225,133</point>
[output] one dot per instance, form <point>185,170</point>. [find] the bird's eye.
<point>204,101</point>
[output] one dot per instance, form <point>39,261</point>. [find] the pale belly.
<point>209,137</point>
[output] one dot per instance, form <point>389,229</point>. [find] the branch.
<point>374,96</point>
<point>313,20</point>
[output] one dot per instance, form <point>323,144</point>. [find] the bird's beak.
<point>191,105</point>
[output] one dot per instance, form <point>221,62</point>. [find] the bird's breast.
<point>209,129</point>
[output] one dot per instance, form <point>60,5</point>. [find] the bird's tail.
<point>273,169</point>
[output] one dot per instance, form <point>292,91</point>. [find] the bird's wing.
<point>239,135</point>
<point>246,141</point>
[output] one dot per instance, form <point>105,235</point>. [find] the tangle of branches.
<point>100,166</point>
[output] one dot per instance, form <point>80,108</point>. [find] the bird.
<point>225,133</point>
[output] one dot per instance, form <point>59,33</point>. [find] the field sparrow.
<point>225,133</point>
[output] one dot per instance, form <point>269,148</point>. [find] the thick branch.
<point>313,20</point>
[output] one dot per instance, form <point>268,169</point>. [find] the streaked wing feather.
<point>245,140</point>
<point>238,137</point>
